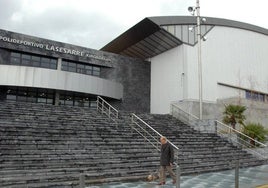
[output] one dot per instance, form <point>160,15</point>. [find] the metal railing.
<point>182,115</point>
<point>105,108</point>
<point>153,137</point>
<point>235,136</point>
<point>149,133</point>
<point>242,140</point>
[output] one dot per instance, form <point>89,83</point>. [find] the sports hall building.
<point>148,67</point>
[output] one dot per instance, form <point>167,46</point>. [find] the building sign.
<point>53,48</point>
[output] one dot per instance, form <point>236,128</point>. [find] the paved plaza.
<point>255,177</point>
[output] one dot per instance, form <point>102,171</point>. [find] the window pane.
<point>11,97</point>
<point>53,64</point>
<point>45,60</point>
<point>49,101</point>
<point>69,102</point>
<point>14,54</point>
<point>36,61</point>
<point>88,70</point>
<point>36,58</point>
<point>72,69</point>
<point>24,56</point>
<point>44,64</point>
<point>22,95</point>
<point>15,61</point>
<point>15,58</point>
<point>96,71</point>
<point>12,94</point>
<point>64,66</point>
<point>81,68</point>
<point>41,100</point>
<point>26,60</point>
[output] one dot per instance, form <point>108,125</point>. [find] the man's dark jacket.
<point>167,155</point>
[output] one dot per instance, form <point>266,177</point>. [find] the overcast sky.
<point>94,23</point>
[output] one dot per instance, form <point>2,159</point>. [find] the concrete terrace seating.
<point>48,146</point>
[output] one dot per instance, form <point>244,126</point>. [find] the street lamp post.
<point>199,60</point>
<point>199,37</point>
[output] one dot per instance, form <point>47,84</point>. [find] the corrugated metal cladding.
<point>144,40</point>
<point>152,45</point>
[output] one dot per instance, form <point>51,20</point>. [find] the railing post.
<point>178,176</point>
<point>237,174</point>
<point>102,106</point>
<point>131,124</point>
<point>216,127</point>
<point>97,103</point>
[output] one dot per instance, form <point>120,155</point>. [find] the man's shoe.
<point>161,183</point>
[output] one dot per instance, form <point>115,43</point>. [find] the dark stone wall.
<point>132,73</point>
<point>135,75</point>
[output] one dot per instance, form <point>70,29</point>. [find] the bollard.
<point>237,174</point>
<point>82,181</point>
<point>178,176</point>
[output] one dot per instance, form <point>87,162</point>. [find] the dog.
<point>153,176</point>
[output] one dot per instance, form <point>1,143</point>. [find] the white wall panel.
<point>166,80</point>
<point>232,56</point>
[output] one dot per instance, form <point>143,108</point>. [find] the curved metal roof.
<point>147,38</point>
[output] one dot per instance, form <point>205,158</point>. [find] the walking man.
<point>166,161</point>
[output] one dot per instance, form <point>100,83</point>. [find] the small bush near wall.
<point>255,131</point>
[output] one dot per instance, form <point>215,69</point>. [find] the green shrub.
<point>256,131</point>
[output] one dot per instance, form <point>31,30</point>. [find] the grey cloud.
<point>87,29</point>
<point>8,8</point>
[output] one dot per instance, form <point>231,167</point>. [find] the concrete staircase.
<point>200,152</point>
<point>48,146</point>
<point>51,146</point>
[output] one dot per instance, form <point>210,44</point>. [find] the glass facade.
<point>80,68</point>
<point>256,96</point>
<point>25,59</point>
<point>22,59</point>
<point>34,95</point>
<point>77,99</point>
<point>47,96</point>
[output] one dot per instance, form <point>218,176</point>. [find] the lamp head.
<point>191,9</point>
<point>203,20</point>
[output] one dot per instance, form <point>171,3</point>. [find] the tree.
<point>233,114</point>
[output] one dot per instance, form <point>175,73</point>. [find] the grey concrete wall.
<point>256,112</point>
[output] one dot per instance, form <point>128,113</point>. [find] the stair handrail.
<point>156,139</point>
<point>223,129</point>
<point>184,116</point>
<point>105,108</point>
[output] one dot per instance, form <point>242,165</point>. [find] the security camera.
<point>203,19</point>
